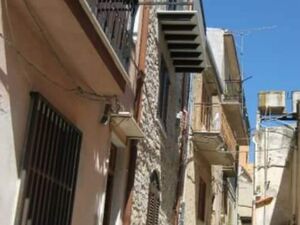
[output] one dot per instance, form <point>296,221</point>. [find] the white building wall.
<point>273,174</point>
<point>215,38</point>
<point>245,194</point>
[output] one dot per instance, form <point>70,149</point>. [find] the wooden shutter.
<point>110,185</point>
<point>201,200</point>
<point>153,203</point>
<point>51,165</point>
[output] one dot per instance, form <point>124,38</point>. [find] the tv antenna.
<point>242,34</point>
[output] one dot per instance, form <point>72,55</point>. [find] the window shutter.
<point>51,164</point>
<point>153,203</point>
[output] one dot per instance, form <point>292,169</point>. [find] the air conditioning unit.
<point>271,102</point>
<point>295,97</point>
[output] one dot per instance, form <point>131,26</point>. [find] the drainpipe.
<point>137,114</point>
<point>296,196</point>
<point>257,128</point>
<point>294,184</point>
<point>266,139</point>
<point>294,170</point>
<point>183,149</point>
<point>293,220</point>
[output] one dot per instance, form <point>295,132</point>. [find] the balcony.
<point>116,19</point>
<point>182,29</point>
<point>212,134</point>
<point>233,98</point>
<point>234,106</point>
<point>91,38</point>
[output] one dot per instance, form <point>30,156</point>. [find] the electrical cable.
<point>77,89</point>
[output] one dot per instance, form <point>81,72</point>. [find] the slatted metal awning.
<point>182,36</point>
<point>126,125</point>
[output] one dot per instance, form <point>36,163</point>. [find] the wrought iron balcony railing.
<point>234,94</point>
<point>212,134</point>
<point>210,118</point>
<point>116,18</point>
<point>233,91</point>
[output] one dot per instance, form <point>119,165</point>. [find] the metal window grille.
<point>51,165</point>
<point>153,201</point>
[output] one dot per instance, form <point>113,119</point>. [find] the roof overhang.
<point>211,146</point>
<point>124,123</point>
<point>183,38</point>
<point>232,57</point>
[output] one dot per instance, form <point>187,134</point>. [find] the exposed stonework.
<point>159,150</point>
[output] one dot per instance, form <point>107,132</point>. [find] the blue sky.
<point>270,56</point>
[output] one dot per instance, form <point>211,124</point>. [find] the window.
<point>153,200</point>
<point>51,164</point>
<point>201,200</point>
<point>164,84</point>
<point>172,4</point>
<point>110,184</point>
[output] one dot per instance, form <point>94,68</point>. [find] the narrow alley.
<point>148,112</point>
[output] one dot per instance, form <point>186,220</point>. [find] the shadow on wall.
<point>17,79</point>
<point>283,204</point>
<point>168,180</point>
<point>13,82</point>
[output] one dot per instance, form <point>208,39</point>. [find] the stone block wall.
<point>159,150</point>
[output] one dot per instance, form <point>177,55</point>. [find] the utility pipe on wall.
<point>297,197</point>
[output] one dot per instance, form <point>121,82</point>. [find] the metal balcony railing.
<point>116,18</point>
<point>234,92</point>
<point>173,5</point>
<point>211,118</point>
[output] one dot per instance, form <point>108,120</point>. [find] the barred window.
<point>153,200</point>
<point>51,164</point>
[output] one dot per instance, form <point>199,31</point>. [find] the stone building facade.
<point>164,111</point>
<point>159,151</point>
